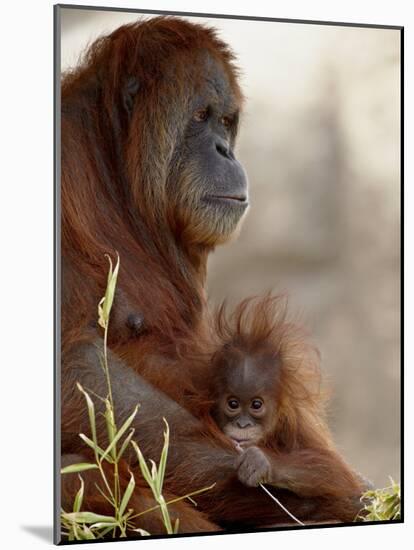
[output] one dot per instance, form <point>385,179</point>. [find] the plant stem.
<point>117,488</point>
<point>172,501</point>
<point>108,380</point>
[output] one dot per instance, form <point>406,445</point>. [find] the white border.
<point>26,268</point>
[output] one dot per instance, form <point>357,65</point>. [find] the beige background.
<point>321,143</point>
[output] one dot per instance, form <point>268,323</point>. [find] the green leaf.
<point>91,413</point>
<point>120,432</point>
<point>110,426</point>
<point>88,517</point>
<point>127,495</point>
<point>79,497</point>
<point>105,305</point>
<point>101,318</point>
<point>381,504</point>
<point>80,467</point>
<point>165,514</point>
<point>126,443</point>
<point>101,524</point>
<point>154,474</point>
<point>85,533</point>
<point>91,444</point>
<point>143,465</point>
<point>163,459</point>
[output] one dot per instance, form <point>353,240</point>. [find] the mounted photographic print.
<point>228,274</point>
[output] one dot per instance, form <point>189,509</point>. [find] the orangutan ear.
<point>129,93</point>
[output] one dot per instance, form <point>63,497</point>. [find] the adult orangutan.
<point>148,126</point>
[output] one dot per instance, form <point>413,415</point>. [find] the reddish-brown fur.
<point>113,192</point>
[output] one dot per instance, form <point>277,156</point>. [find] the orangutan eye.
<point>226,121</point>
<point>257,404</point>
<point>233,404</point>
<point>201,115</point>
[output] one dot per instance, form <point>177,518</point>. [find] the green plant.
<point>381,504</point>
<point>84,524</point>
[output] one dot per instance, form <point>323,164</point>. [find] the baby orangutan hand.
<point>253,467</point>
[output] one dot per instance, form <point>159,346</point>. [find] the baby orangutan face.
<point>245,407</point>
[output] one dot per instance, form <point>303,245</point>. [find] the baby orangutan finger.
<point>253,467</point>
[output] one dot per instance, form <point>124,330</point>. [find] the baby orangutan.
<point>267,399</point>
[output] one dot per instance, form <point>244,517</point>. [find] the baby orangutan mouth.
<point>243,437</point>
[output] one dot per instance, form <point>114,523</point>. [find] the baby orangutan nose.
<point>243,423</point>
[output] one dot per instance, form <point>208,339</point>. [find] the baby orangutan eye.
<point>226,121</point>
<point>201,115</point>
<point>256,404</point>
<point>233,404</point>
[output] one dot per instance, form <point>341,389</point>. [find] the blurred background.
<point>320,140</point>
